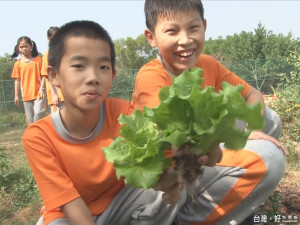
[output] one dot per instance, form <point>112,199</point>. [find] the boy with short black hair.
<point>64,150</point>
<point>243,179</point>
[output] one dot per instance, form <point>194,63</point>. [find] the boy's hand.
<point>212,158</point>
<point>168,183</point>
<point>256,135</point>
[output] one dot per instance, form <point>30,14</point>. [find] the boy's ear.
<point>150,38</point>
<point>114,73</point>
<point>204,24</point>
<point>52,76</point>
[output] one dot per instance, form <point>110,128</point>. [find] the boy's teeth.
<point>185,54</point>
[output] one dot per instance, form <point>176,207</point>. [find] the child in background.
<point>27,75</point>
<point>76,183</point>
<point>232,190</point>
<point>54,95</point>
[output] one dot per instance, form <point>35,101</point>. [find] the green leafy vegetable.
<point>186,115</point>
<point>138,154</point>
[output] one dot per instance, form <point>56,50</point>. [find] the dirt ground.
<point>289,190</point>
<point>285,207</point>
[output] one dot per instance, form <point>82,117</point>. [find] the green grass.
<point>19,197</point>
<point>12,121</point>
<point>18,191</point>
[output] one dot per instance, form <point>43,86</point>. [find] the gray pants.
<point>35,110</point>
<point>145,207</point>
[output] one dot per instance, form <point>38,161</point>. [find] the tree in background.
<point>133,53</point>
<point>261,44</point>
<point>6,66</point>
<point>287,105</point>
<point>258,57</point>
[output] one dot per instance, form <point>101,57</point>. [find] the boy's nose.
<point>184,38</point>
<point>93,77</point>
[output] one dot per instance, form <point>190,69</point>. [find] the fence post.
<point>132,76</point>
<point>4,98</point>
<point>255,74</point>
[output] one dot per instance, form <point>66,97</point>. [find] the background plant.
<point>12,120</point>
<point>287,105</point>
<point>17,188</point>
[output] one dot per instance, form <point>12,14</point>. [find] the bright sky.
<point>125,18</point>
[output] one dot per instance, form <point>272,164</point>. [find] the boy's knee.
<point>273,158</point>
<point>272,123</point>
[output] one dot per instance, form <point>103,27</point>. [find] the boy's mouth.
<point>91,93</point>
<point>185,53</point>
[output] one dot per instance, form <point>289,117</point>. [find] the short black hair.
<point>51,31</point>
<point>155,8</point>
<point>79,28</point>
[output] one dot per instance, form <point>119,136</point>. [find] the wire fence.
<point>262,74</point>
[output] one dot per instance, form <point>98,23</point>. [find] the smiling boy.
<point>77,184</point>
<point>231,191</point>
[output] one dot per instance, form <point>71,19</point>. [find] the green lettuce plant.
<point>187,115</point>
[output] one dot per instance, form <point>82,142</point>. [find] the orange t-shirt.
<point>153,76</point>
<point>44,73</point>
<point>30,76</point>
<point>66,167</point>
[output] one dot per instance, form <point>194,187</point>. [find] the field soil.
<point>287,203</point>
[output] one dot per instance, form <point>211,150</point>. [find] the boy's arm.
<point>78,213</point>
<point>252,97</point>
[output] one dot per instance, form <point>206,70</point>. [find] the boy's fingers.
<point>168,183</point>
<point>167,179</point>
<point>212,158</point>
<point>173,195</point>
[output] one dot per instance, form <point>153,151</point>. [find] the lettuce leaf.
<point>138,154</point>
<point>203,117</point>
<point>187,114</point>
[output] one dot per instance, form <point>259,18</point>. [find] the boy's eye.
<point>78,66</point>
<point>104,67</point>
<point>170,31</point>
<point>194,27</point>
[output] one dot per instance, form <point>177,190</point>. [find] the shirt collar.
<point>161,60</point>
